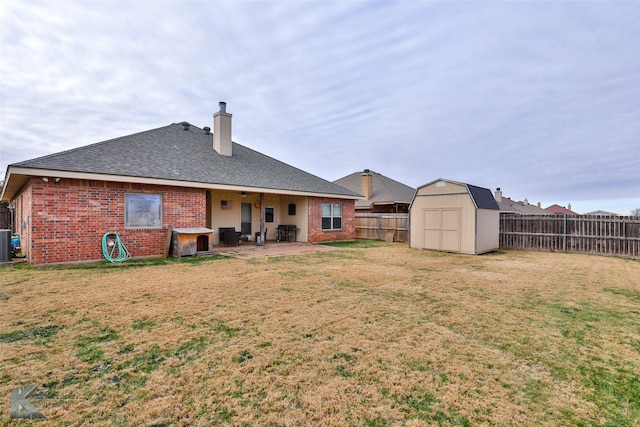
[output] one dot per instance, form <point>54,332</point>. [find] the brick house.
<point>178,176</point>
<point>381,194</point>
<point>561,210</point>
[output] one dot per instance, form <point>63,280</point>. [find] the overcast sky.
<point>541,99</point>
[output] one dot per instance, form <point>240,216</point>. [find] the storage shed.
<point>454,217</point>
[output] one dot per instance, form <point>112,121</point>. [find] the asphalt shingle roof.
<point>172,153</point>
<point>560,210</point>
<point>385,190</point>
<point>508,205</point>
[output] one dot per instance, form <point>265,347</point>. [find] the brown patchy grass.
<point>363,336</point>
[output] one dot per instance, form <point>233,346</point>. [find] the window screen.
<point>143,211</point>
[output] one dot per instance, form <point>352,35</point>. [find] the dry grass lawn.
<point>366,335</point>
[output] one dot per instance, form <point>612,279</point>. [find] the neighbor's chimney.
<point>222,131</point>
<point>526,202</point>
<point>498,195</point>
<point>366,184</point>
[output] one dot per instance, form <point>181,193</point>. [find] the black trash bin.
<point>5,245</point>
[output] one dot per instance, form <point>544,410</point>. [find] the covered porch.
<point>246,213</point>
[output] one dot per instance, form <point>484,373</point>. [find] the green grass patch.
<point>616,392</point>
<point>631,295</point>
<point>344,372</point>
<point>358,243</point>
<point>127,348</point>
<point>41,335</point>
<point>420,405</point>
<point>90,353</point>
<point>345,356</point>
<point>376,422</point>
<point>88,349</point>
<point>148,361</point>
<point>221,327</point>
<point>190,349</point>
<point>104,334</point>
<point>145,324</point>
<point>131,263</point>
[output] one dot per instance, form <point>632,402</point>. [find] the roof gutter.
<point>17,177</point>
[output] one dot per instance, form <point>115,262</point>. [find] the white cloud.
<point>542,98</point>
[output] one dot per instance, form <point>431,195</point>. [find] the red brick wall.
<point>317,234</point>
<point>68,219</point>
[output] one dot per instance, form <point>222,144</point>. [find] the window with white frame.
<point>143,210</point>
<point>331,216</point>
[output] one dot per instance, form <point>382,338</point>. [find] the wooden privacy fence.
<point>393,227</point>
<point>606,235</point>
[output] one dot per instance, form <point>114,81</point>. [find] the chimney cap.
<point>223,106</point>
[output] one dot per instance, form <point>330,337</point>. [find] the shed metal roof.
<point>483,197</point>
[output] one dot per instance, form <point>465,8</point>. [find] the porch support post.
<point>262,236</point>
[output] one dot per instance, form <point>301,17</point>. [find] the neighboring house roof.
<point>385,189</point>
<point>174,156</point>
<point>508,205</point>
<point>601,213</point>
<point>561,210</point>
<point>482,197</point>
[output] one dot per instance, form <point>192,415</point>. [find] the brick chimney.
<point>366,184</point>
<point>222,131</point>
<point>498,195</point>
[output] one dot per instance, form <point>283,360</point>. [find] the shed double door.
<point>442,229</point>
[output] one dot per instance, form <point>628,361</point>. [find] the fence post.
<point>564,237</point>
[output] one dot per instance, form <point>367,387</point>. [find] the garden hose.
<point>113,248</point>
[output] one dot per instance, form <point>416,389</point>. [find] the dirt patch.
<point>356,336</point>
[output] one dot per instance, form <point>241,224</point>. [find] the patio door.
<point>245,218</point>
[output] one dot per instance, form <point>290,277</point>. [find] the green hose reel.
<point>113,249</point>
